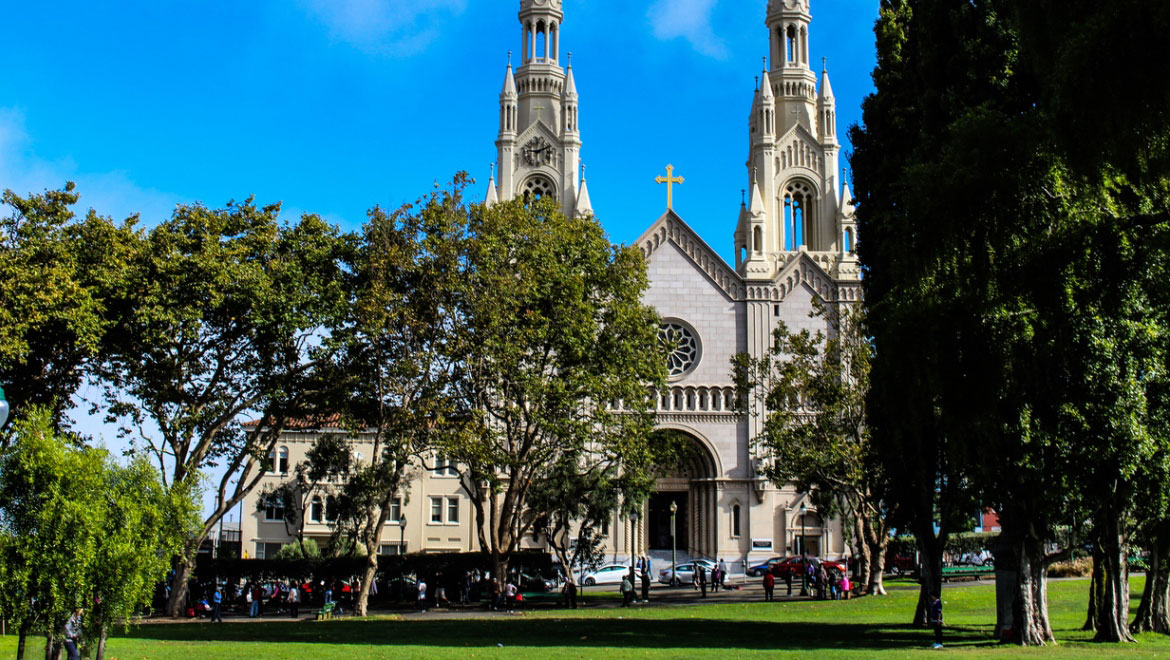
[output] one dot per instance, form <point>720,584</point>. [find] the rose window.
<point>683,345</point>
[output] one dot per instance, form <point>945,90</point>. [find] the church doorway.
<point>660,521</point>
<point>692,485</point>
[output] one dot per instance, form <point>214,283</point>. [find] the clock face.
<point>538,151</point>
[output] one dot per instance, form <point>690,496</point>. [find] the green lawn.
<point>867,627</point>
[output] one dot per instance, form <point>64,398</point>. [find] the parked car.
<point>796,566</point>
<point>686,572</point>
<point>607,574</point>
<point>981,558</point>
<point>537,584</point>
<point>758,570</point>
<point>900,564</point>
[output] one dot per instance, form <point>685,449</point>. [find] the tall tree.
<point>394,364</point>
<point>79,530</point>
<point>812,391</point>
<point>222,317</point>
<point>58,272</point>
<point>557,354</point>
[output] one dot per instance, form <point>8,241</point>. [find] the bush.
<point>1082,567</point>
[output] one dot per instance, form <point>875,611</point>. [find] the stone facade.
<point>794,244</point>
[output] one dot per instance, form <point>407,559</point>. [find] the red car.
<point>796,566</point>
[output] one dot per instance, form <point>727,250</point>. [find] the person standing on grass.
<point>294,600</point>
<point>216,604</point>
<point>510,592</point>
<point>645,582</point>
<point>627,590</point>
<point>788,582</point>
<point>570,592</point>
<point>701,571</point>
<point>723,574</point>
<point>73,634</point>
<point>253,602</point>
<point>846,586</point>
<point>936,619</point>
<point>422,594</point>
<point>769,586</point>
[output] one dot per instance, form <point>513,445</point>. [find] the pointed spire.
<point>492,198</point>
<point>509,80</point>
<point>570,83</point>
<point>826,88</point>
<point>757,199</point>
<point>766,88</point>
<point>584,206</point>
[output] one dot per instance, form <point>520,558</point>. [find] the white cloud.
<point>690,20</point>
<point>394,27</point>
<point>112,193</point>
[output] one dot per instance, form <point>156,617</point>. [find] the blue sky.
<point>333,106</point>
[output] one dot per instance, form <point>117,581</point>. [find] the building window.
<point>274,508</point>
<point>452,510</point>
<point>395,512</point>
<point>444,468</point>
<point>437,510</point>
<point>392,549</point>
<point>735,520</point>
<point>798,204</point>
<point>317,509</point>
<point>282,461</point>
<point>683,345</point>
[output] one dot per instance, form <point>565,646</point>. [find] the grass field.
<point>867,627</point>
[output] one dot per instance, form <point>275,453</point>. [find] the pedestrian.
<point>788,581</point>
<point>294,600</point>
<point>250,598</point>
<point>715,579</point>
<point>73,634</point>
<point>936,618</point>
<point>422,595</point>
<point>495,594</point>
<point>645,582</point>
<point>627,589</point>
<point>329,592</point>
<point>570,593</point>
<point>465,589</point>
<point>440,592</point>
<point>846,586</point>
<point>216,605</point>
<point>769,586</point>
<point>822,582</point>
<point>722,574</point>
<point>702,573</point>
<point>510,592</point>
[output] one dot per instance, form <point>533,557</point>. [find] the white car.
<point>607,574</point>
<point>686,572</point>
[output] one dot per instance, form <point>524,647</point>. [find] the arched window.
<point>848,240</point>
<point>282,461</point>
<point>798,217</point>
<point>758,240</point>
<point>735,520</point>
<point>317,509</point>
<point>538,187</point>
<point>790,44</point>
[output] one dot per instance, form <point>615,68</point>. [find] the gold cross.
<point>669,180</point>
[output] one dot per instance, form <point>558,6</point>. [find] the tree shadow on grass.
<point>573,633</point>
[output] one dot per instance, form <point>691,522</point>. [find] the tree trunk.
<point>1113,607</point>
<point>1030,626</point>
<point>877,568</point>
<point>930,573</point>
<point>1096,584</point>
<point>1153,613</point>
<point>361,607</point>
<point>21,638</point>
<point>100,653</point>
<point>864,557</point>
<point>178,597</point>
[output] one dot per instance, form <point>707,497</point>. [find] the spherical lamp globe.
<point>3,408</point>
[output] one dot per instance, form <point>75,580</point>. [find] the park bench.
<point>326,612</point>
<point>966,572</point>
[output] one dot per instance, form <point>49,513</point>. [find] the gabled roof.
<point>671,228</point>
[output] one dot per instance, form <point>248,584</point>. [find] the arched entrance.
<point>691,487</point>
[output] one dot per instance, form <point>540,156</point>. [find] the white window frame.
<point>436,506</point>
<point>452,507</point>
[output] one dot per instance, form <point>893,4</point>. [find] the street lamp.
<point>803,553</point>
<point>673,545</point>
<point>3,408</point>
<point>401,535</point>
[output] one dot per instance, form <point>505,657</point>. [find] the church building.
<point>794,244</point>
